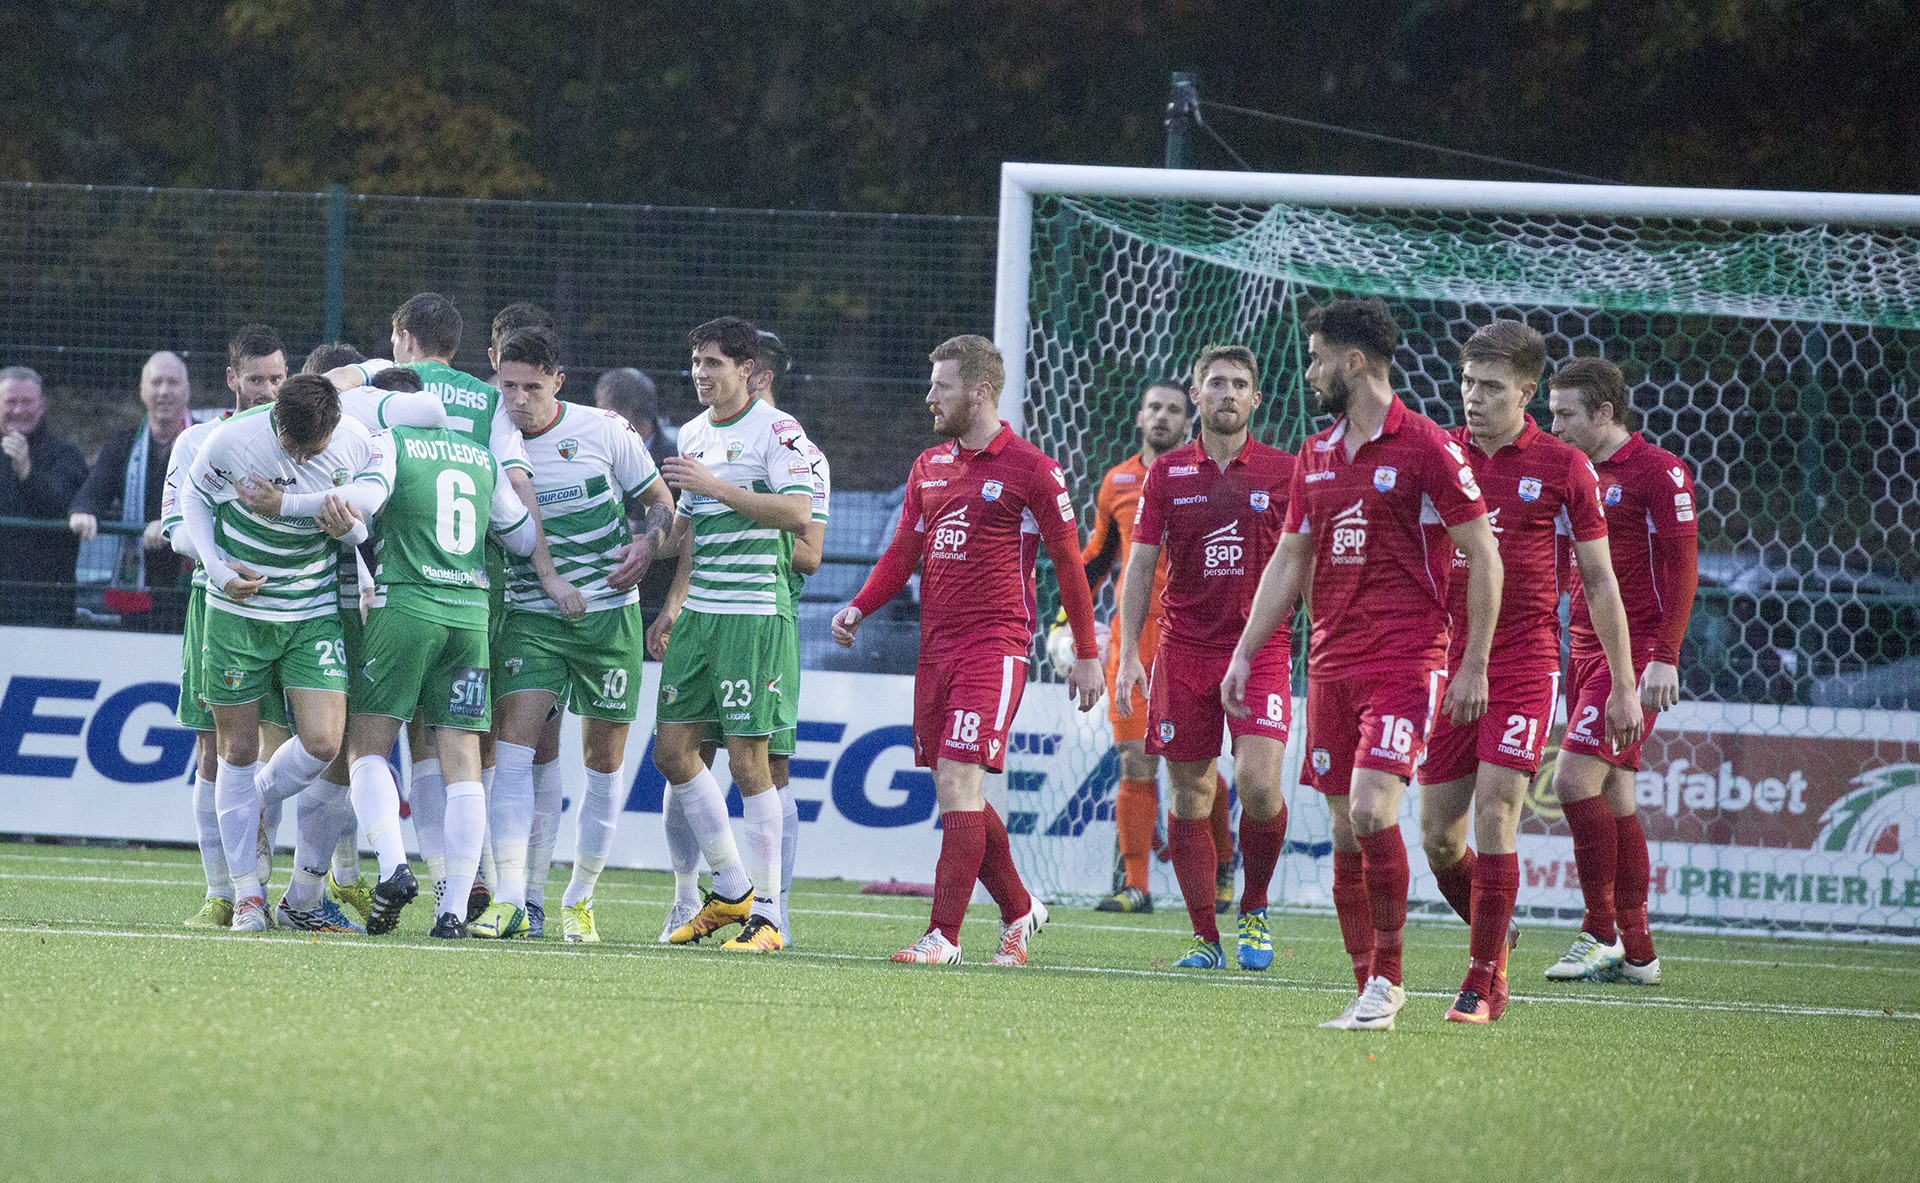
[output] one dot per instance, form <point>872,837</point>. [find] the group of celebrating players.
<point>389,544</point>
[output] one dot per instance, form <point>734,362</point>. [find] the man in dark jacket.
<point>41,474</point>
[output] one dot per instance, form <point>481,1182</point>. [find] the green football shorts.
<point>409,662</point>
<point>190,710</point>
<point>738,672</point>
<point>243,656</point>
<point>592,664</point>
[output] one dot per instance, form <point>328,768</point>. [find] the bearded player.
<point>976,510</point>
<point>1539,492</point>
<point>1215,507</point>
<point>1375,498</point>
<point>1648,494</point>
<point>1163,420</point>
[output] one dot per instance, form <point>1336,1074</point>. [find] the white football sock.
<point>346,848</point>
<point>546,830</point>
<point>466,830</point>
<point>488,874</point>
<point>510,820</point>
<point>683,850</point>
<point>269,820</point>
<point>238,804</point>
<point>762,815</point>
<point>317,829</point>
<point>428,806</point>
<point>789,848</point>
<point>376,802</point>
<point>206,827</point>
<point>705,807</point>
<point>596,821</point>
<point>289,771</point>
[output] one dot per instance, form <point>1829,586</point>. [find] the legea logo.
<point>1888,799</point>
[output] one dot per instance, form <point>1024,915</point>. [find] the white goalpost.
<point>1771,338</point>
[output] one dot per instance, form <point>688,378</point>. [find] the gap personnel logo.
<point>1613,494</point>
<point>339,476</point>
<point>991,490</point>
<point>1384,477</point>
<point>1529,489</point>
<point>233,678</point>
<point>734,449</point>
<point>1258,499</point>
<point>1886,804</point>
<point>950,535</point>
<point>1322,761</point>
<point>1224,550</point>
<point>568,448</point>
<point>669,694</point>
<point>1350,533</point>
<point>1166,731</point>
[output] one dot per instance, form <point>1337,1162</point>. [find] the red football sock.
<point>1456,884</point>
<point>1384,862</point>
<point>1633,870</point>
<point>1135,814</point>
<point>1222,822</point>
<point>1260,844</point>
<point>1594,846</point>
<point>1496,884</point>
<point>1193,866</point>
<point>1356,918</point>
<point>963,843</point>
<point>997,871</point>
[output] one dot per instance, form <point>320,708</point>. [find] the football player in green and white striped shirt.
<point>746,486</point>
<point>771,363</point>
<point>587,466</point>
<point>256,365</point>
<point>271,596</point>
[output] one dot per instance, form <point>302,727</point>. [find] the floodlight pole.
<point>1183,113</point>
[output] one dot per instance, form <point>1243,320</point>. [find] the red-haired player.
<point>1374,500</point>
<point>977,510</point>
<point>1539,491</point>
<point>1648,494</point>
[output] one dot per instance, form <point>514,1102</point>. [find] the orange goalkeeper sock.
<point>1136,813</point>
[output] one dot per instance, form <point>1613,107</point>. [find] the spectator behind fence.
<point>632,395</point>
<point>39,479</point>
<point>637,400</point>
<point>130,472</point>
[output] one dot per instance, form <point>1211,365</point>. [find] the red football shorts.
<point>1379,721</point>
<point>963,707</point>
<point>1588,684</point>
<point>1512,734</point>
<point>1133,726</point>
<point>1184,700</point>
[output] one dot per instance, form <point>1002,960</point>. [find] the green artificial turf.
<point>135,1048</point>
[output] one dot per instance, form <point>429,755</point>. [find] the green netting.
<point>1781,361</point>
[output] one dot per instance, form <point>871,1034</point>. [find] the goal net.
<point>1771,339</point>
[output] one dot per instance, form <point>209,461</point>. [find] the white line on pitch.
<point>1285,984</point>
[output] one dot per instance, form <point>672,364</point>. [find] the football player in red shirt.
<point>1215,508</point>
<point>1375,499</point>
<point>1648,494</point>
<point>977,509</point>
<point>1163,421</point>
<point>1538,491</point>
